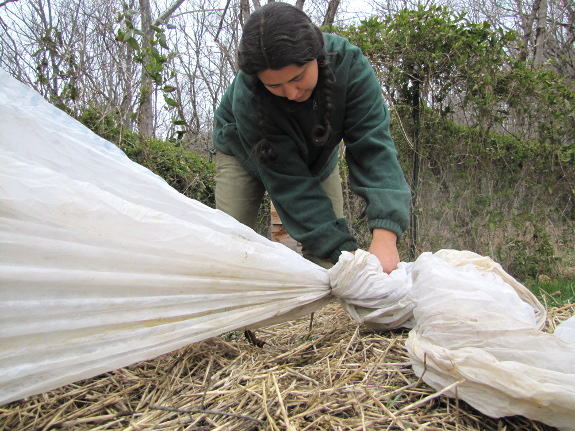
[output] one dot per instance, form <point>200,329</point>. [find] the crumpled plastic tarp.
<point>102,265</point>
<point>475,328</point>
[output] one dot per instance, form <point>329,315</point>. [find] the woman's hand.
<point>384,246</point>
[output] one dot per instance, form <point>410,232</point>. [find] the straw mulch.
<point>336,376</point>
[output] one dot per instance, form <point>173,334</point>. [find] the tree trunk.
<point>331,11</point>
<point>416,117</point>
<point>540,33</point>
<point>527,27</point>
<point>244,11</point>
<point>145,112</point>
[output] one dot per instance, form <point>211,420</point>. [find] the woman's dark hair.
<point>279,35</point>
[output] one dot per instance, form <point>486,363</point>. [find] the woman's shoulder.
<point>346,61</point>
<point>339,46</point>
<point>239,94</point>
<point>241,87</point>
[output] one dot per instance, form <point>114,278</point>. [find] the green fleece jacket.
<point>359,117</point>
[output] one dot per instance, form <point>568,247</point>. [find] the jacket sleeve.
<point>375,172</point>
<point>225,118</point>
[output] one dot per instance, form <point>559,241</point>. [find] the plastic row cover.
<point>103,265</point>
<point>475,328</point>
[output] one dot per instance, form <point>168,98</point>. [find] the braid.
<point>321,133</point>
<point>262,151</point>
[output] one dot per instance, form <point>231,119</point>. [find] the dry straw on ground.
<point>335,376</point>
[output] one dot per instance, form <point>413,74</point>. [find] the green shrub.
<point>182,169</point>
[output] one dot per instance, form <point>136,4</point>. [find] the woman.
<point>297,95</point>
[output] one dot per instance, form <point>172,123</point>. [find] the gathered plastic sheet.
<point>104,265</point>
<point>490,341</point>
<point>476,331</point>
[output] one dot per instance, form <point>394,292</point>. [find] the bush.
<point>182,169</point>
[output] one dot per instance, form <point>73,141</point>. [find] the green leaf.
<point>133,43</point>
<point>156,54</point>
<point>162,41</point>
<point>127,36</point>
<point>179,123</point>
<point>169,88</point>
<point>170,101</point>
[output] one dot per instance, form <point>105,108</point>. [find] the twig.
<point>558,310</point>
<point>167,13</point>
<point>420,379</point>
<point>310,324</point>
<point>103,418</point>
<point>222,20</point>
<point>395,420</point>
<point>205,412</point>
<point>251,336</point>
<point>281,403</point>
<point>429,398</point>
<point>265,404</point>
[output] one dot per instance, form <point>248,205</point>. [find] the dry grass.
<point>338,376</point>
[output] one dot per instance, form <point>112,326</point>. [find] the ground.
<point>334,375</point>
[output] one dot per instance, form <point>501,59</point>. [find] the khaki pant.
<point>240,195</point>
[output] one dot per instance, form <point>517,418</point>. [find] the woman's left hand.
<point>384,246</point>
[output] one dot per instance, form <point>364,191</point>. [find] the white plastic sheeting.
<point>489,339</point>
<point>103,265</point>
<point>475,328</point>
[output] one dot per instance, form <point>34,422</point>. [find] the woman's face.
<point>294,82</point>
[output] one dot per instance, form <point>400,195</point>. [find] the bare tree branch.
<point>222,20</point>
<point>4,3</point>
<point>168,12</point>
